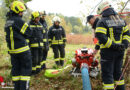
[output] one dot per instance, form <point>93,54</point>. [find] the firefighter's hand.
<point>95,52</point>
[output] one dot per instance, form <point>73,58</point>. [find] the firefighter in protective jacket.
<point>114,36</point>
<point>57,40</point>
<point>93,20</point>
<point>45,39</point>
<point>36,42</point>
<point>16,33</point>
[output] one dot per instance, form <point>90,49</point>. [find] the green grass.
<point>63,82</point>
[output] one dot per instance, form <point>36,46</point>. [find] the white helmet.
<point>103,6</point>
<point>56,18</point>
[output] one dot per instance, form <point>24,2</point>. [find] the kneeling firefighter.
<point>114,36</point>
<point>36,42</point>
<point>57,40</point>
<point>16,33</point>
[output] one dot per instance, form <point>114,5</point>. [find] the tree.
<point>8,2</point>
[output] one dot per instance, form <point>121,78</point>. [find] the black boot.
<point>62,62</point>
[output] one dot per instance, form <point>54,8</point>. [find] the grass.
<point>63,82</point>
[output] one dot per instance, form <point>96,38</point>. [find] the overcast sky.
<point>66,7</point>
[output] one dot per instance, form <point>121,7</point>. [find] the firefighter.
<point>36,42</point>
<point>93,20</point>
<point>16,33</point>
<point>45,40</point>
<point>114,36</point>
<point>57,40</point>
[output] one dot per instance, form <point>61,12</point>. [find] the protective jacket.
<point>56,35</point>
<point>111,33</point>
<point>36,39</point>
<point>16,32</point>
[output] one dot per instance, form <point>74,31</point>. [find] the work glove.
<point>64,44</point>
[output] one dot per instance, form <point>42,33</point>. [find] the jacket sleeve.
<point>63,35</point>
<point>101,34</point>
<point>50,35</point>
<point>97,47</point>
<point>23,27</point>
<point>126,36</point>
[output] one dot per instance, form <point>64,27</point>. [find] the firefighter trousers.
<point>111,65</point>
<point>56,50</point>
<point>43,62</point>
<point>36,60</point>
<point>21,70</point>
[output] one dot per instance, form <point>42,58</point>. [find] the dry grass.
<point>80,39</point>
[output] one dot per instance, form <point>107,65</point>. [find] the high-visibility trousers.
<point>111,65</point>
<point>21,70</point>
<point>59,59</point>
<point>36,59</point>
<point>43,62</point>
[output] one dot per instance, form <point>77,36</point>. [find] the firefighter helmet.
<point>56,19</point>
<point>35,15</point>
<point>18,7</point>
<point>103,6</point>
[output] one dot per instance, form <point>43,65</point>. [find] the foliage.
<point>8,2</point>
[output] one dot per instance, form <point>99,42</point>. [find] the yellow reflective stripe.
<point>57,59</point>
<point>27,40</point>
<point>33,26</point>
<point>11,38</point>
<point>49,39</point>
<point>43,62</point>
<point>44,40</point>
<point>36,45</point>
<point>25,78</point>
<point>19,50</point>
<point>39,26</point>
<point>108,86</point>
<point>38,66</point>
<point>121,82</point>
<point>101,30</point>
<point>126,37</point>
<point>33,68</point>
<point>16,78</point>
<point>97,43</point>
<point>112,36</point>
<point>55,42</point>
<point>108,43</point>
<point>62,58</point>
<point>44,31</point>
<point>64,38</point>
<point>24,27</point>
<point>125,29</point>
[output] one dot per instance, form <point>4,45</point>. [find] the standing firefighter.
<point>114,36</point>
<point>57,40</point>
<point>16,32</point>
<point>36,42</point>
<point>45,40</point>
<point>93,20</point>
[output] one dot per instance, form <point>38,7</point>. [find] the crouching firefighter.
<point>16,33</point>
<point>57,40</point>
<point>36,42</point>
<point>45,39</point>
<point>114,36</point>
